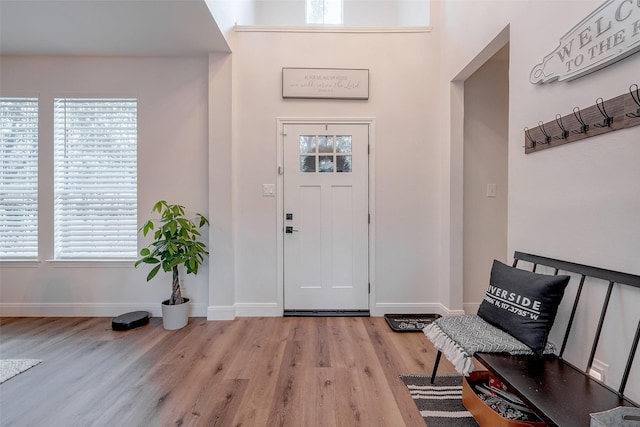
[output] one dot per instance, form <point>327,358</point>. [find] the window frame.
<point>87,259</point>
<point>33,160</point>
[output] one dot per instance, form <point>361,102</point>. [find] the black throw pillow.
<point>523,303</point>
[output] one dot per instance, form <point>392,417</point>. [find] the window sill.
<point>329,29</point>
<point>21,263</point>
<point>68,263</point>
<point>91,263</point>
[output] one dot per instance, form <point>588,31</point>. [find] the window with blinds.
<point>324,12</point>
<point>18,178</point>
<point>95,178</point>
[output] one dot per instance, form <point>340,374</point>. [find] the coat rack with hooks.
<point>604,116</point>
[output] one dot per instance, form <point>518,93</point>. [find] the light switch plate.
<point>268,190</point>
<point>598,370</point>
<point>492,190</point>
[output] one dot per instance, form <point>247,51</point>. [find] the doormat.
<point>410,322</point>
<point>440,403</point>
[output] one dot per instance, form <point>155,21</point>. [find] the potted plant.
<point>175,243</point>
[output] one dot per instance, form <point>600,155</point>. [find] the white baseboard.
<point>201,309</point>
<point>381,309</point>
<point>258,310</point>
<point>88,309</point>
<point>243,310</point>
<point>273,310</point>
<point>221,312</point>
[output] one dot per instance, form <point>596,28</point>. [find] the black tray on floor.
<point>409,322</point>
<point>132,320</point>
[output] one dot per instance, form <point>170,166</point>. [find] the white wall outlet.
<point>268,190</point>
<point>598,370</point>
<point>492,190</point>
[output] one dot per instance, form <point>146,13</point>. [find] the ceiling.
<point>109,28</point>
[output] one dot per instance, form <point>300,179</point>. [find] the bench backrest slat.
<point>632,353</point>
<point>596,339</point>
<point>573,315</point>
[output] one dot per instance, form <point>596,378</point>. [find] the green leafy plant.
<point>175,242</point>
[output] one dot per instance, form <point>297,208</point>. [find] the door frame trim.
<point>280,123</point>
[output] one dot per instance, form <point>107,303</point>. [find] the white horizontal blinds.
<point>18,177</point>
<point>95,178</point>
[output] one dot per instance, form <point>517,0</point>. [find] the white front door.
<point>326,217</point>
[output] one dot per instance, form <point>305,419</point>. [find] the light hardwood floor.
<point>293,371</point>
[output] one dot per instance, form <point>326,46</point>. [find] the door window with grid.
<point>325,153</point>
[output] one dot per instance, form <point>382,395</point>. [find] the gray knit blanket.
<point>460,337</point>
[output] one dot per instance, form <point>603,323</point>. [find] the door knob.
<point>289,230</point>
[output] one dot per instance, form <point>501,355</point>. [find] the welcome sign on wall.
<point>609,34</point>
<point>331,83</point>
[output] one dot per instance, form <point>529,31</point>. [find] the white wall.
<point>228,13</point>
<point>578,202</point>
<point>221,189</point>
<point>172,164</point>
<point>403,69</point>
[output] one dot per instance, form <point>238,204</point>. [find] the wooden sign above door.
<point>325,83</point>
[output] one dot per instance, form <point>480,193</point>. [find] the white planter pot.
<point>175,316</point>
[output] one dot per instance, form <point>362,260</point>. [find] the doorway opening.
<point>464,293</point>
<point>485,174</point>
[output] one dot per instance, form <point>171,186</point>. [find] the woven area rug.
<point>440,403</point>
<point>9,368</point>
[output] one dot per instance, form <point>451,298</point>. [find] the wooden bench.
<point>560,393</point>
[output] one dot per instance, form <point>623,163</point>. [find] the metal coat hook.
<point>584,127</point>
<point>636,98</point>
<point>533,141</point>
<point>607,119</point>
<point>565,133</point>
<point>547,138</point>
